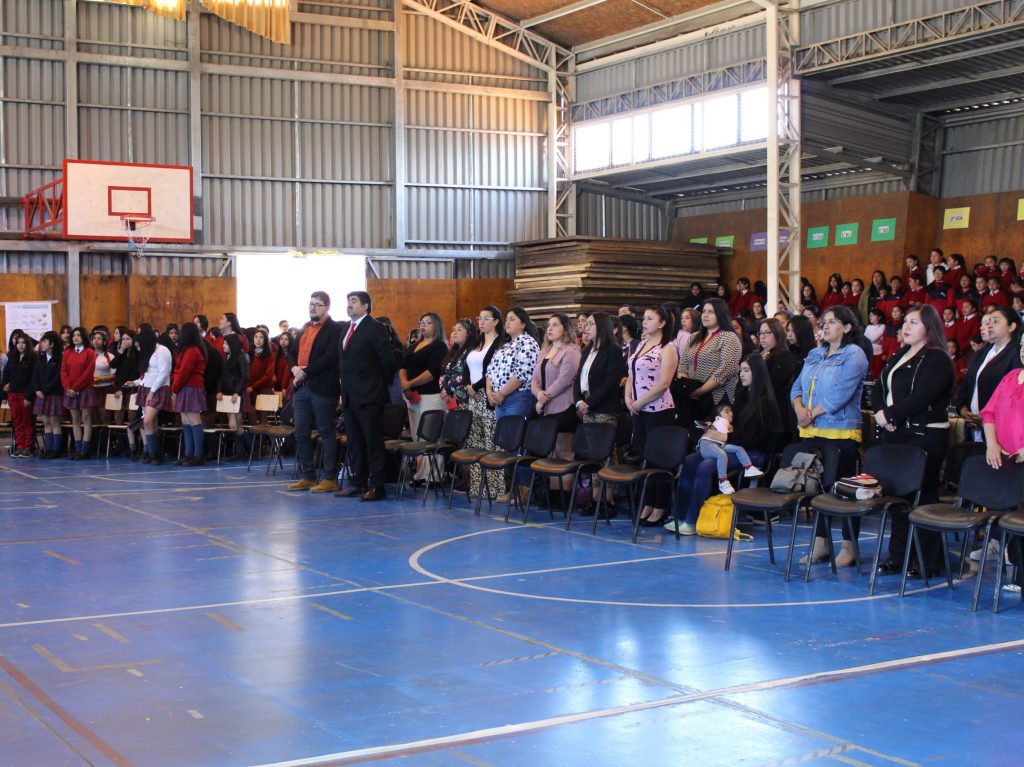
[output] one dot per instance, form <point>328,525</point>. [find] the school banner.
<point>956,218</point>
<point>725,241</point>
<point>759,241</point>
<point>34,317</point>
<point>846,234</point>
<point>817,237</point>
<point>883,229</point>
<point>699,240</point>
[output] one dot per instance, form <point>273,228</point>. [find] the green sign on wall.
<point>817,237</point>
<point>725,241</point>
<point>699,240</point>
<point>846,234</point>
<point>883,229</point>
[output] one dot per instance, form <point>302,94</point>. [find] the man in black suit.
<point>366,366</point>
<point>316,395</point>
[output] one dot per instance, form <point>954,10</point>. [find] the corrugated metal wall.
<point>984,157</point>
<point>847,17</point>
<point>297,142</point>
<point>756,201</point>
<point>601,215</point>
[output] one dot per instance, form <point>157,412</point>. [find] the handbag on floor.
<point>715,519</point>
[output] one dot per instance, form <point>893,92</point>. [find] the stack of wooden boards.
<point>573,274</point>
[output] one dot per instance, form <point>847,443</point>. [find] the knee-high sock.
<point>197,440</point>
<point>186,434</point>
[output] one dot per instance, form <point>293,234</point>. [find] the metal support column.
<point>74,270</point>
<point>401,220</point>
<point>561,189</point>
<point>784,146</point>
<point>71,78</point>
<point>195,110</point>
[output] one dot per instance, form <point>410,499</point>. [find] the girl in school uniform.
<point>284,361</point>
<point>49,402</point>
<point>189,393</point>
<point>261,371</point>
<point>155,364</point>
<point>77,369</point>
<point>234,379</point>
<point>16,383</point>
<point>103,377</point>
<point>125,365</point>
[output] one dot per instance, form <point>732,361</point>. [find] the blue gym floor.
<point>205,616</point>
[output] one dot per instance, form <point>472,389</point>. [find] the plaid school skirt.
<point>85,398</point>
<point>51,404</point>
<point>191,399</point>
<point>159,399</point>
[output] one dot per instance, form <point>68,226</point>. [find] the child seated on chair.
<point>710,447</point>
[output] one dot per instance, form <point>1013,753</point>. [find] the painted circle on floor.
<point>470,583</point>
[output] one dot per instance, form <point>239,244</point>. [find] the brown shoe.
<point>324,486</point>
<point>302,484</point>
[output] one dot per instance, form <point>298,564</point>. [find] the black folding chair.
<point>664,453</point>
<point>428,432</point>
<point>981,487</point>
<point>592,449</point>
<point>538,441</point>
<point>508,437</point>
<point>457,424</point>
<point>900,469</point>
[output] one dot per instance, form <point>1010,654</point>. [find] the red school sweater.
<point>77,369</point>
<point>189,369</point>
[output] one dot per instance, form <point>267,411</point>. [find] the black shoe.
<point>914,573</point>
<point>889,568</point>
<point>156,460</point>
<point>373,494</point>
<point>586,511</point>
<point>349,492</point>
<point>417,483</point>
<point>655,522</point>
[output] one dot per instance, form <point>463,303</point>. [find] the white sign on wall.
<point>33,317</point>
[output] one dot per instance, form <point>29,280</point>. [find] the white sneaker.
<point>993,552</point>
<point>752,472</point>
<point>725,487</point>
<point>1013,588</point>
<point>684,528</point>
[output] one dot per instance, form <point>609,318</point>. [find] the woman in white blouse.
<point>154,389</point>
<point>511,368</point>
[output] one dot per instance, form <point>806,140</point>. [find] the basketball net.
<point>136,229</point>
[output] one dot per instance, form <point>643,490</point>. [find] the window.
<point>671,132</point>
<point>721,126</point>
<point>593,149</point>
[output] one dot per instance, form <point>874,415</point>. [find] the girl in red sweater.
<point>189,392</point>
<point>284,362</point>
<point>261,371</point>
<point>77,369</point>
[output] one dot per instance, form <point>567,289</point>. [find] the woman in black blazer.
<point>989,365</point>
<point>597,389</point>
<point>910,399</point>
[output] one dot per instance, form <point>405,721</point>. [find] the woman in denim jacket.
<point>826,397</point>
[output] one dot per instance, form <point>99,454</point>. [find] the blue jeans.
<point>519,402</point>
<point>310,409</point>
<point>698,477</point>
<point>721,453</point>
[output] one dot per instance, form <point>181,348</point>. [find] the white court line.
<point>414,563</point>
<point>395,749</point>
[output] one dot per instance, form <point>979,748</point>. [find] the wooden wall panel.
<point>994,228</point>
<point>817,264</point>
<point>34,287</point>
<point>159,300</point>
<point>405,300</point>
<point>473,295</point>
<point>104,300</point>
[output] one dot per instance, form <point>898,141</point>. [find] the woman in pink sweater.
<point>557,365</point>
<point>1002,419</point>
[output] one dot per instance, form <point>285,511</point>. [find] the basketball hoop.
<point>136,229</point>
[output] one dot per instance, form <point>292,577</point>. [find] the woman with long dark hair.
<point>695,298</point>
<point>478,358</point>
<point>77,372</point>
<point>826,397</point>
<point>800,337</point>
<point>46,383</point>
<point>284,361</point>
<point>834,295</point>
<point>187,385</point>
<point>709,364</point>
<point>511,368</point>
<point>454,371</point>
<point>782,366</point>
<point>419,376</point>
<point>551,385</point>
<point>155,365</point>
<point>910,399</point>
<point>650,373</point>
<point>598,385</point>
<point>125,365</point>
<point>1001,329</point>
<point>234,378</point>
<point>16,383</point>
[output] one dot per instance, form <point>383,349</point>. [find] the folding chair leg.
<point>672,496</point>
<point>810,550</point>
<point>597,509</point>
<point>451,488</point>
<point>945,559</point>
<point>920,558</point>
<point>633,507</point>
<point>480,493</point>
<point>732,536</point>
<point>878,552</point>
<point>981,566</point>
<point>856,548</point>
<point>572,499</point>
<point>906,559</point>
<point>768,532</point>
<point>792,540</point>
<point>999,571</point>
<point>529,498</point>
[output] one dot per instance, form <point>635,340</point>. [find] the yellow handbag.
<point>715,519</point>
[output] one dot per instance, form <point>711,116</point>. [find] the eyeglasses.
<point>315,305</point>
<point>765,333</point>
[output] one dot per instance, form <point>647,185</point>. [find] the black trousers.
<point>849,452</point>
<point>365,446</point>
<point>659,492</point>
<point>935,442</point>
